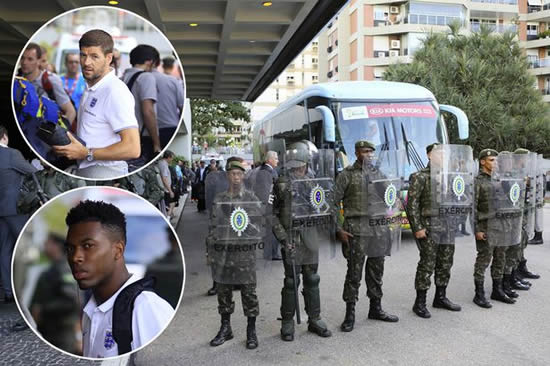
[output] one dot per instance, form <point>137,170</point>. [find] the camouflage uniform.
<point>55,299</point>
<point>433,256</point>
<point>349,189</point>
<point>485,251</point>
<point>307,259</point>
<point>234,264</point>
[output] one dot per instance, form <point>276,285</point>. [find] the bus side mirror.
<point>329,126</point>
<point>461,118</point>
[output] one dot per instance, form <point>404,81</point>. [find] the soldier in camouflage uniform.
<point>296,164</point>
<point>235,267</point>
<point>434,257</point>
<point>349,190</point>
<point>485,252</point>
<point>52,183</point>
<point>54,306</point>
<point>518,263</point>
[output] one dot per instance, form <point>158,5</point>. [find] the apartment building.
<point>368,35</point>
<point>301,73</point>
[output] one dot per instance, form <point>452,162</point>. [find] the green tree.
<point>208,114</point>
<point>486,75</point>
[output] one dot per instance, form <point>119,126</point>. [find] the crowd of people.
<point>116,125</point>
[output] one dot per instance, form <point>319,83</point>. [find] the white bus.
<point>335,115</point>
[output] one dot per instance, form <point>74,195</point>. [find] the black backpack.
<point>123,310</point>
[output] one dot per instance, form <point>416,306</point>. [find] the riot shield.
<point>506,200</point>
<point>452,191</point>
<point>214,183</point>
<point>260,181</point>
<point>309,181</point>
<point>235,237</point>
<point>530,194</point>
<point>539,192</point>
<point>381,187</point>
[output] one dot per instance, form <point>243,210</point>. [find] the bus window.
<point>291,125</point>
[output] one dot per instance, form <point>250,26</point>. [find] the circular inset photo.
<point>98,92</point>
<point>98,272</point>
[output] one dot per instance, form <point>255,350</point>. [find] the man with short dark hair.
<point>143,86</point>
<point>168,65</point>
<point>73,82</point>
<point>47,84</point>
<point>95,245</point>
<point>169,104</point>
<point>106,120</point>
<point>166,176</point>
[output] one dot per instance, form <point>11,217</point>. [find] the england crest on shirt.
<point>93,102</point>
<point>109,341</point>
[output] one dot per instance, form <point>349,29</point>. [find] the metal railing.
<point>432,19</point>
<point>499,28</point>
<point>505,2</point>
<point>537,64</point>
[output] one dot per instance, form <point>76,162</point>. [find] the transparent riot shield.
<point>307,191</point>
<point>260,181</point>
<point>214,183</point>
<point>539,194</point>
<point>506,200</point>
<point>235,237</point>
<point>452,192</point>
<point>530,195</point>
<point>380,198</point>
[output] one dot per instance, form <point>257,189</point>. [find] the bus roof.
<point>359,90</point>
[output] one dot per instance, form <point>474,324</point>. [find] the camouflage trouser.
<point>248,298</point>
<point>374,270</point>
<point>436,258</point>
<point>513,255</point>
<point>310,289</point>
<point>484,254</point>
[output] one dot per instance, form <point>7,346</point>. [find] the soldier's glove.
<point>289,248</point>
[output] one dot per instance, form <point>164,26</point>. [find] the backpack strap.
<point>130,84</point>
<point>123,311</point>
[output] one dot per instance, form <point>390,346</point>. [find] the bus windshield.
<point>410,126</point>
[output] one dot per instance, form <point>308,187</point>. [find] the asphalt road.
<point>504,335</point>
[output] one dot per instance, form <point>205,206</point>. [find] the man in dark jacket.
<point>13,167</point>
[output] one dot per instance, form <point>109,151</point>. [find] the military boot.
<point>441,301</point>
<point>288,308</point>
<point>507,287</point>
<point>312,303</point>
<point>376,312</point>
<point>214,290</point>
<point>419,306</point>
<point>479,298</point>
<point>251,339</point>
<point>524,272</point>
<point>499,293</point>
<point>515,282</point>
<point>349,319</point>
<point>537,239</point>
<point>225,332</point>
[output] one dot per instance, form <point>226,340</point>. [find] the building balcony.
<point>536,43</point>
<point>379,60</point>
<point>498,28</point>
<point>540,66</point>
<point>542,15</point>
<point>505,2</point>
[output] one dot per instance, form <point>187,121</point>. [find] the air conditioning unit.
<point>381,54</point>
<point>395,44</point>
<point>394,9</point>
<point>394,53</point>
